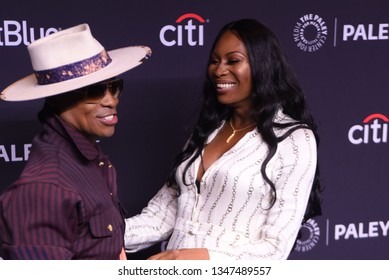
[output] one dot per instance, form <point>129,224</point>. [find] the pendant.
<point>230,137</point>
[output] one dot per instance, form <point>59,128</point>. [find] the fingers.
<point>122,255</point>
<point>182,254</point>
<point>160,256</point>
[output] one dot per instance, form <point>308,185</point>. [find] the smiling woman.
<point>247,177</point>
<point>229,69</point>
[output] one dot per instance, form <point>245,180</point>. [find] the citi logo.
<point>188,30</point>
<point>14,33</point>
<point>374,128</point>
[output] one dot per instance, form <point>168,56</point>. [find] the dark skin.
<point>229,69</point>
<point>93,119</point>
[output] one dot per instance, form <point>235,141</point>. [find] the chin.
<point>107,133</point>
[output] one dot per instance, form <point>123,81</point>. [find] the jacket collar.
<point>88,149</point>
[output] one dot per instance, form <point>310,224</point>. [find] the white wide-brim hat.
<point>71,59</point>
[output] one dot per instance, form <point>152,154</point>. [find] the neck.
<point>239,123</point>
<point>236,130</point>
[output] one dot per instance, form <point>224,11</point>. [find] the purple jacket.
<point>64,205</point>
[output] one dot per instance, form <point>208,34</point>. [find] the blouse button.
<point>101,163</point>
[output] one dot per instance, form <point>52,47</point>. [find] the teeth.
<point>108,118</point>
<point>225,86</point>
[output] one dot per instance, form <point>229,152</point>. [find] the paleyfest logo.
<point>310,33</point>
<point>310,234</point>
<point>14,152</point>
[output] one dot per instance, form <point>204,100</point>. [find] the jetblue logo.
<point>188,31</point>
<point>14,33</point>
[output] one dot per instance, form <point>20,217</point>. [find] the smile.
<point>109,119</point>
<point>225,86</point>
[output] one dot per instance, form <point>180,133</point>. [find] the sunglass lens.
<point>116,88</point>
<point>96,92</point>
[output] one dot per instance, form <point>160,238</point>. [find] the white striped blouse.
<point>231,215</point>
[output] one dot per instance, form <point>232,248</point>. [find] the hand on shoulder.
<point>183,254</point>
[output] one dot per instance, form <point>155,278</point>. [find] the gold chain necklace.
<point>236,130</point>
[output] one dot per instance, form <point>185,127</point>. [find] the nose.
<point>221,69</point>
<point>109,100</point>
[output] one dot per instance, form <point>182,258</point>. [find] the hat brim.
<point>123,59</point>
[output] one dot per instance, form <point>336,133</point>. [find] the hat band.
<point>73,70</point>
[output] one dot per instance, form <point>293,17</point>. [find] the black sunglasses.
<point>94,93</point>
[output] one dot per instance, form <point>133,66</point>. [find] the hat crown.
<point>63,47</point>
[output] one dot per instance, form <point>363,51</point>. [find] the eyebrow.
<point>233,52</point>
<point>239,52</point>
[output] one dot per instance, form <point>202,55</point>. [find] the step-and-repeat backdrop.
<point>339,49</point>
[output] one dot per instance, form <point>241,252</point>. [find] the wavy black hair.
<point>274,86</point>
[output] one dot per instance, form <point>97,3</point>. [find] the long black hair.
<point>274,86</point>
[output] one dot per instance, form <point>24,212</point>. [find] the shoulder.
<point>42,165</point>
<point>47,163</point>
<point>290,128</point>
<point>294,138</point>
<point>31,192</point>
